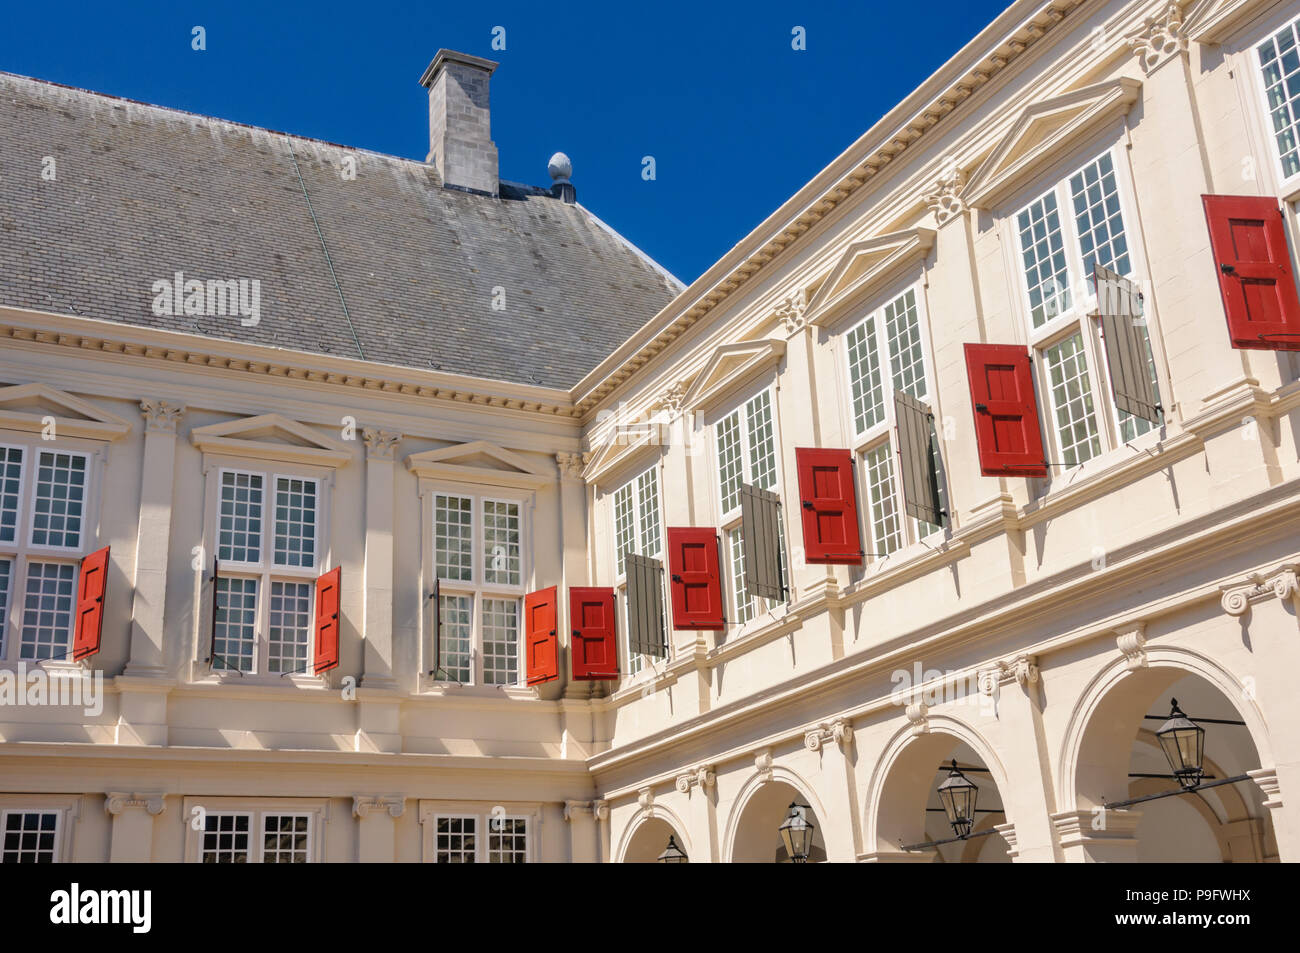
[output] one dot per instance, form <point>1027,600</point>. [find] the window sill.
<point>297,682</point>
<point>756,632</point>
<point>445,689</point>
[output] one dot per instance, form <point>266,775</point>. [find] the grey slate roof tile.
<point>143,192</point>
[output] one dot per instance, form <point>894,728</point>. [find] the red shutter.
<point>696,580</point>
<point>1006,411</point>
<point>91,585</point>
<point>591,617</point>
<point>1248,239</point>
<point>327,620</point>
<point>540,636</point>
<point>829,504</point>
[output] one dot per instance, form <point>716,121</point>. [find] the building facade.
<point>360,509</point>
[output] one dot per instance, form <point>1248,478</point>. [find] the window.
<point>1279,64</point>
<point>638,528</point>
<point>746,448</point>
<point>1062,235</point>
<point>44,495</point>
<point>456,839</point>
<point>886,356</point>
<point>282,838</point>
<point>268,546</point>
<point>30,837</point>
<point>478,555</point>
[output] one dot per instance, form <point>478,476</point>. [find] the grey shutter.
<point>437,630</point>
<point>916,459</point>
<point>212,628</point>
<point>645,606</point>
<point>760,514</point>
<point>1119,304</point>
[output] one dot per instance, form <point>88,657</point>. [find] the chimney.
<point>460,131</point>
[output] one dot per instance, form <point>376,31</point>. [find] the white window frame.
<point>1080,317</point>
<point>264,571</point>
<point>21,553</point>
<point>637,663</point>
<point>882,433</point>
<point>316,810</point>
<point>1261,32</point>
<point>729,520</point>
<point>477,587</point>
<point>430,812</point>
<point>56,852</point>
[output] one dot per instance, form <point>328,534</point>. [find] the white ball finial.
<point>560,167</point>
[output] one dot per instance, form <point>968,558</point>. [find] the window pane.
<point>455,630</point>
<point>60,495</point>
<point>284,838</point>
<point>500,641</point>
<point>730,467</point>
<point>453,537</point>
<point>1097,214</point>
<point>295,522</point>
<point>453,840</point>
<point>236,628</point>
<point>6,577</point>
<point>623,525</point>
<point>647,491</point>
<point>290,626</point>
<point>29,837</point>
<point>501,543</point>
<point>762,442</point>
<point>240,532</point>
<point>1044,253</point>
<point>1076,427</point>
<point>11,471</point>
<point>47,611</point>
<point>225,839</point>
<point>507,840</point>
<point>903,329</point>
<point>886,528</point>
<point>864,376</point>
<point>744,605</point>
<point>1280,64</point>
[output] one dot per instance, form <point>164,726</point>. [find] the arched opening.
<point>757,838</point>
<point>649,841</point>
<point>1120,759</point>
<point>911,812</point>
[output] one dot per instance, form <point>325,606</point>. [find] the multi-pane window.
<point>1063,235</point>
<point>478,558</point>
<point>269,542</point>
<point>508,840</point>
<point>454,840</point>
<point>245,837</point>
<point>43,535</point>
<point>1279,64</point>
<point>474,839</point>
<point>30,837</point>
<point>886,356</point>
<point>746,447</point>
<point>637,529</point>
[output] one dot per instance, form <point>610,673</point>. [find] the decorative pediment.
<point>864,266</point>
<point>626,444</point>
<point>481,462</point>
<point>731,365</point>
<point>1212,21</point>
<point>271,437</point>
<point>30,407</point>
<point>1046,129</point>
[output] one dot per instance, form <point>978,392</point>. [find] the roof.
<point>141,192</point>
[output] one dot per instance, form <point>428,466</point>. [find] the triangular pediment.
<point>729,366</point>
<point>1044,130</point>
<point>271,437</point>
<point>480,461</point>
<point>626,445</point>
<point>864,266</point>
<point>1213,21</point>
<point>29,407</point>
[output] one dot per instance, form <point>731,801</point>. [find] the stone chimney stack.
<point>460,130</point>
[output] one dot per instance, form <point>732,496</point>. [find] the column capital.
<point>840,731</point>
<point>363,804</point>
<point>160,416</point>
<point>571,464</point>
<point>1159,39</point>
<point>115,802</point>
<point>944,198</point>
<point>380,444</point>
<point>703,776</point>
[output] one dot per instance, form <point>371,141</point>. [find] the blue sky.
<point>735,119</point>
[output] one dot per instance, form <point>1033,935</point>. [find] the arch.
<point>887,806</point>
<point>752,786</point>
<point>656,812</point>
<point>1105,699</point>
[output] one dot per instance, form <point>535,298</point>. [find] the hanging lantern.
<point>797,833</point>
<point>958,795</point>
<point>672,853</point>
<point>1183,742</point>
